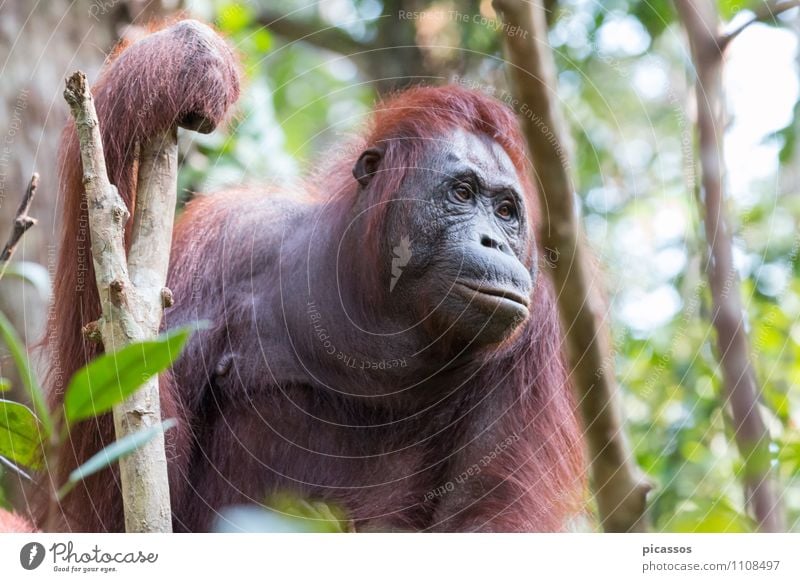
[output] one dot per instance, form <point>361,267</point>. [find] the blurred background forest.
<point>314,69</point>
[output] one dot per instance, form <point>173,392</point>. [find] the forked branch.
<point>22,222</point>
<point>131,308</point>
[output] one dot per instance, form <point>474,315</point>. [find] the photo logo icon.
<point>31,555</point>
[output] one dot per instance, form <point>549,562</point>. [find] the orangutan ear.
<point>367,165</point>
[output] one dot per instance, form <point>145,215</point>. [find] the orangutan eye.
<point>506,210</point>
<point>463,192</point>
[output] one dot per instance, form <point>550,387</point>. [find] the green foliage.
<point>20,435</point>
<point>4,501</point>
<point>285,513</point>
<point>234,17</point>
<point>655,15</point>
<point>637,175</point>
<point>636,171</point>
<point>319,516</point>
<point>113,453</point>
<point>718,516</point>
<point>729,8</point>
<point>789,454</point>
<point>35,393</point>
<point>94,390</point>
<point>788,136</point>
<point>296,100</point>
<point>111,378</point>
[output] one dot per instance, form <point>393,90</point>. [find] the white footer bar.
<point>400,557</point>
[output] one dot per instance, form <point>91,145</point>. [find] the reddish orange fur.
<point>518,389</point>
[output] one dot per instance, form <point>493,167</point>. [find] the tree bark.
<point>701,21</point>
<point>131,292</point>
<point>619,486</point>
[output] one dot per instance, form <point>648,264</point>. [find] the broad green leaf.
<point>20,435</point>
<point>113,453</point>
<point>111,378</point>
<point>17,350</point>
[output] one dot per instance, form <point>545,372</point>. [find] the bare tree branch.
<point>766,11</point>
<point>22,222</point>
<point>391,61</point>
<point>701,21</point>
<point>620,487</point>
<point>129,313</point>
<point>314,32</point>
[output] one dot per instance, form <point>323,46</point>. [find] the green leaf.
<point>262,40</point>
<point>789,457</point>
<point>730,8</point>
<point>720,517</point>
<point>20,435</point>
<point>4,502</point>
<point>286,514</point>
<point>309,514</point>
<point>19,355</point>
<point>655,15</point>
<point>5,385</point>
<point>113,453</point>
<point>234,17</point>
<point>111,378</point>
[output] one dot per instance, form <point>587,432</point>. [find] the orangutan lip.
<point>495,292</point>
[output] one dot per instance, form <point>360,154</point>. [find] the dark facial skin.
<point>465,221</point>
